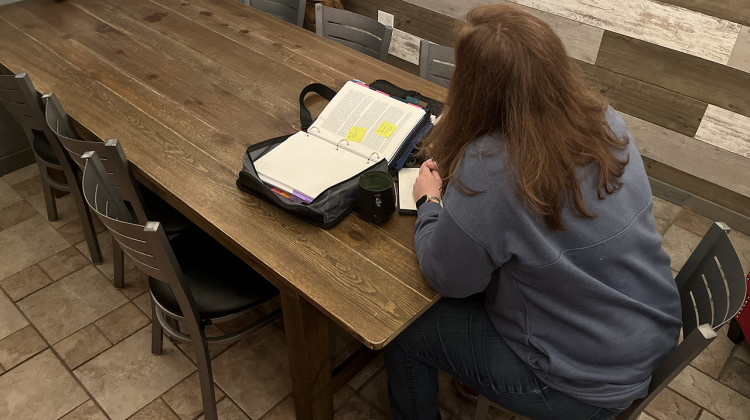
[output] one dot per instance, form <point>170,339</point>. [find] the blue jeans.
<point>456,336</point>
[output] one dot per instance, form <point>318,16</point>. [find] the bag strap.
<point>304,114</point>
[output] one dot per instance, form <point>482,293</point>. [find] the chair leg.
<point>175,324</point>
<point>118,258</point>
<point>49,200</point>
<point>735,333</point>
<point>483,408</point>
<point>88,225</point>
<point>157,334</point>
<point>205,375</point>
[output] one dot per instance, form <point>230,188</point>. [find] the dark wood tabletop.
<point>186,86</point>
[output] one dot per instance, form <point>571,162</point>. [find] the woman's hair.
<point>513,79</point>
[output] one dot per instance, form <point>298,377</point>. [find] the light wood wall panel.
<point>405,46</point>
<point>419,21</point>
<point>665,80</point>
<point>662,24</point>
<point>581,41</point>
<point>694,166</point>
<point>704,80</point>
<point>727,130</point>
<point>740,58</point>
<point>649,102</point>
<point>662,62</point>
<point>734,10</point>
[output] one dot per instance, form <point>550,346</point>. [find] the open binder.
<point>357,129</point>
<point>334,203</point>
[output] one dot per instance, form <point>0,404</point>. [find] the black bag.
<point>435,106</point>
<point>333,204</point>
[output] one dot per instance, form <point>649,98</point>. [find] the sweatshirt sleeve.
<point>453,263</point>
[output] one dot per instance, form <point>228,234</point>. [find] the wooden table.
<point>186,85</point>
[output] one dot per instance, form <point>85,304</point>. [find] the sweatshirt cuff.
<point>429,208</point>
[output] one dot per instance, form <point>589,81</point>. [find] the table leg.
<point>306,331</point>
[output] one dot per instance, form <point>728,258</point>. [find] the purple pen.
<point>302,196</point>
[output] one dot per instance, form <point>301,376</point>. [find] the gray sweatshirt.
<point>591,310</point>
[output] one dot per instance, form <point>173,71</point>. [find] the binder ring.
<point>339,143</point>
<point>308,130</point>
<point>370,157</point>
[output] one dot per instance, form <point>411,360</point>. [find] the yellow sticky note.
<point>385,129</point>
<point>356,134</point>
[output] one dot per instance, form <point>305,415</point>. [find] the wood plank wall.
<point>678,69</point>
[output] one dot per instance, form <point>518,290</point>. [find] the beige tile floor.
<point>73,347</point>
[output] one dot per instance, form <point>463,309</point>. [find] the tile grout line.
<point>161,398</point>
<point>184,353</point>
<point>99,330</point>
<point>373,405</point>
<point>695,402</point>
<point>216,385</point>
<point>93,323</point>
<point>274,407</point>
<point>54,352</point>
<point>51,282</point>
<point>178,348</point>
<point>356,392</point>
<point>74,409</point>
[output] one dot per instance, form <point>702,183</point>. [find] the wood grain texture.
<point>581,40</point>
<point>418,21</point>
<point>652,103</point>
<point>403,64</point>
<point>662,24</point>
<point>740,58</point>
<point>405,46</point>
<point>310,362</point>
<point>691,76</point>
<point>178,143</point>
<point>726,130</point>
<point>700,206</point>
<point>691,165</point>
<point>660,86</point>
<point>733,10</point>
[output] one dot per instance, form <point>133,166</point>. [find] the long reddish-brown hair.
<point>514,80</point>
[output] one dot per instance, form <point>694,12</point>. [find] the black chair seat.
<point>221,283</point>
<point>157,209</point>
<point>43,148</point>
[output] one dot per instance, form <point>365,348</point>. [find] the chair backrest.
<point>292,11</point>
<point>146,244</point>
<point>711,283</point>
<point>25,104</point>
<point>712,288</point>
<point>353,30</point>
<point>110,154</point>
<point>436,63</point>
<point>22,100</point>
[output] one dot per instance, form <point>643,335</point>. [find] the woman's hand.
<point>428,181</point>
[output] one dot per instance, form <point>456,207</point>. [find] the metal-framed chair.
<point>436,63</point>
<point>292,11</point>
<point>712,290</point>
<point>144,204</point>
<point>22,100</point>
<point>353,30</point>
<point>192,278</point>
<point>15,150</point>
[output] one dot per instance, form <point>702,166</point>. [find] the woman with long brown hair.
<point>535,223</point>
